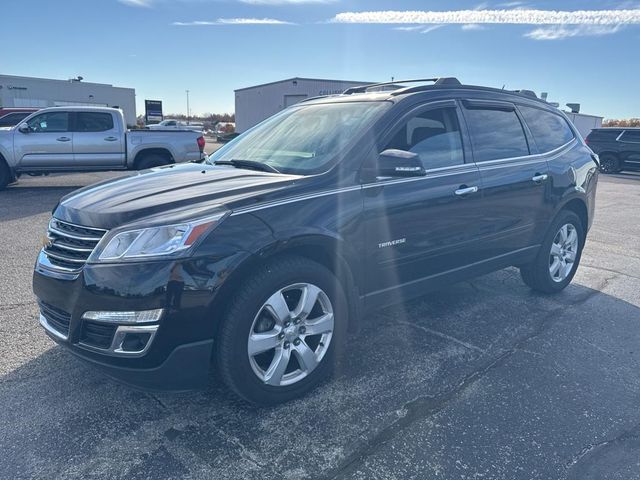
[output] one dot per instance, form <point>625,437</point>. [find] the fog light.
<point>142,316</point>
<point>135,342</point>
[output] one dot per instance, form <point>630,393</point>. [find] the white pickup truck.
<point>82,139</point>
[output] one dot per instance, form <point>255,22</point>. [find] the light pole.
<point>188,112</point>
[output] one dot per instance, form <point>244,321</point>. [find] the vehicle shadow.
<point>62,418</point>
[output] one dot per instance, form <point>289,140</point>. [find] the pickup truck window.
<point>93,122</point>
<point>49,122</point>
<point>305,139</point>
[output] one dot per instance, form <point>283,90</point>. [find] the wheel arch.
<point>164,152</point>
<point>323,250</point>
<point>579,207</point>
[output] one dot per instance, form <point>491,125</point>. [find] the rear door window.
<point>496,134</point>
<point>549,130</point>
<point>94,122</point>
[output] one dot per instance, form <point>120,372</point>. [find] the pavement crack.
<point>425,406</point>
<point>588,450</point>
<point>442,335</point>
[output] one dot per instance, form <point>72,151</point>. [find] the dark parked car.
<point>618,148</point>
<point>265,256</point>
<point>226,137</point>
<point>12,119</point>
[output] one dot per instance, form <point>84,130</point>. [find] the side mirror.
<point>24,128</point>
<point>400,163</point>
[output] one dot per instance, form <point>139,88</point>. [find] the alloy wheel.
<point>290,334</point>
<point>564,251</point>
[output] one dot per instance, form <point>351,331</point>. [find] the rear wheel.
<point>282,331</point>
<point>559,256</point>
<point>152,160</point>
<point>609,164</point>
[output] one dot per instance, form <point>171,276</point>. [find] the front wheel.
<point>282,331</point>
<point>5,174</point>
<point>559,256</point>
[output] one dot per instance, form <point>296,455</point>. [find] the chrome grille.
<point>69,246</point>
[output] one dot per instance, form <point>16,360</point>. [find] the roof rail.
<point>436,81</point>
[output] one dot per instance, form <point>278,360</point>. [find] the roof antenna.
<point>504,85</point>
<point>393,78</point>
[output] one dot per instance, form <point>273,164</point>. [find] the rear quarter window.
<point>549,130</point>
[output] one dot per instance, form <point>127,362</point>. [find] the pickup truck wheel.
<point>609,164</point>
<point>559,256</point>
<point>151,160</point>
<point>280,336</point>
<point>5,174</point>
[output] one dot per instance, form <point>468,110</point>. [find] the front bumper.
<point>178,353</point>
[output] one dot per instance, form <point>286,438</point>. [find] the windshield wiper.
<point>250,164</point>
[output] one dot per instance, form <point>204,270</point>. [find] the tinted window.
<point>434,135</point>
<point>50,122</point>
<point>549,130</point>
<point>632,136</point>
<point>11,119</point>
<point>496,134</point>
<point>94,122</point>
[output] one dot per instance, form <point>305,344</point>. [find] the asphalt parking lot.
<point>484,379</point>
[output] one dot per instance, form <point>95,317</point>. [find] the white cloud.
<point>136,3</point>
<point>473,26</point>
<point>234,21</point>
<point>510,16</point>
<point>560,32</point>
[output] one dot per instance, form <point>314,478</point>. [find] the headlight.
<point>153,241</point>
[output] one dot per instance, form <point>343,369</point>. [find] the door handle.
<point>63,139</point>
<point>539,178</point>
<point>111,139</point>
<point>464,190</point>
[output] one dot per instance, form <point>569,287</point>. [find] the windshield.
<point>302,140</point>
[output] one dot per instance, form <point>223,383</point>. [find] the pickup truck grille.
<point>69,245</point>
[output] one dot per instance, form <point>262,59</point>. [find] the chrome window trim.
<point>435,173</point>
<point>621,139</point>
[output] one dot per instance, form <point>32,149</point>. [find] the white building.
<point>254,104</point>
<point>585,123</point>
<point>43,92</point>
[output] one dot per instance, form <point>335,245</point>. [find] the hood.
<point>175,191</point>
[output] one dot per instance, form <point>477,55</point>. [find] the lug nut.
<point>296,342</point>
<point>281,336</point>
<point>286,344</point>
<point>302,330</point>
<point>287,324</point>
<point>296,321</point>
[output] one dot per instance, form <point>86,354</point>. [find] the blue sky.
<point>589,54</point>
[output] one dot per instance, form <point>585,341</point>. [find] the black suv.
<point>618,148</point>
<point>261,259</point>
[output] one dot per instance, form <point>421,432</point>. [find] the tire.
<point>538,274</point>
<point>5,174</point>
<point>257,378</point>
<point>609,164</point>
<point>151,160</point>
